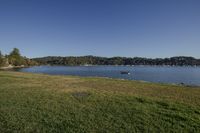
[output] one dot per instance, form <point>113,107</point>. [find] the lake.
<point>158,74</point>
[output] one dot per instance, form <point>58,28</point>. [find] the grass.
<point>41,103</point>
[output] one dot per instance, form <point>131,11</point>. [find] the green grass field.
<point>41,103</point>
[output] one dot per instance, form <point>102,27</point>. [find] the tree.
<point>15,58</point>
<point>15,52</point>
<point>2,59</point>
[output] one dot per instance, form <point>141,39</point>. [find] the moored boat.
<point>125,72</point>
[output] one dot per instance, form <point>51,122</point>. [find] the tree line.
<point>15,59</point>
<point>94,60</point>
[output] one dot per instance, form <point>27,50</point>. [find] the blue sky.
<point>145,28</point>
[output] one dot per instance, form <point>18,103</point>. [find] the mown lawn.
<point>41,103</point>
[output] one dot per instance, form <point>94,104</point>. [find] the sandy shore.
<point>10,67</point>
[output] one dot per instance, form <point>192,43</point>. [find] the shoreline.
<point>179,84</point>
<point>119,65</point>
<point>11,67</point>
<point>110,78</point>
<point>122,79</point>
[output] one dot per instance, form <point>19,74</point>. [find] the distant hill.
<point>94,60</point>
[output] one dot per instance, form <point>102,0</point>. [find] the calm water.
<point>161,74</point>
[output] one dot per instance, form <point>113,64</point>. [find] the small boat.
<point>125,72</point>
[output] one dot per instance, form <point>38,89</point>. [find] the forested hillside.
<point>93,60</point>
<point>16,59</point>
